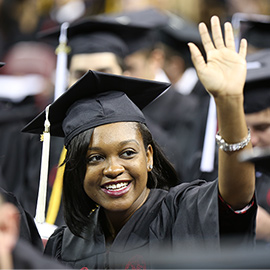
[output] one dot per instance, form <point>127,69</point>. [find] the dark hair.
<point>77,204</point>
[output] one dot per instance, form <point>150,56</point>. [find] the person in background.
<point>116,177</point>
<point>26,82</point>
<point>257,114</point>
<point>16,252</point>
<point>170,116</point>
<point>28,230</point>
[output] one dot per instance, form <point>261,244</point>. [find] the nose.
<point>254,137</point>
<point>113,169</point>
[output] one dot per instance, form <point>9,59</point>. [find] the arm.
<point>223,76</point>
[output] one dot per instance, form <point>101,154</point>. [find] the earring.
<point>150,166</point>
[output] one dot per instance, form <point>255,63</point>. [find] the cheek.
<point>90,181</point>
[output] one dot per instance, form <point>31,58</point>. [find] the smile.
<point>117,186</point>
<point>116,189</point>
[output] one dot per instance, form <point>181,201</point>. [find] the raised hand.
<point>224,71</point>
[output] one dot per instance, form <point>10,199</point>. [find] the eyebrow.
<point>121,144</point>
<point>128,141</point>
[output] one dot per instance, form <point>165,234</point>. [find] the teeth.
<point>116,186</point>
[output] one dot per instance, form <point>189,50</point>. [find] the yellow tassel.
<point>56,195</point>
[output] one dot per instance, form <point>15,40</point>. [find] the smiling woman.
<point>119,191</point>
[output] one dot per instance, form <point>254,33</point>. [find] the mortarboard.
<point>260,156</point>
<point>141,27</point>
<point>90,36</point>
<point>178,32</point>
<point>96,99</point>
<point>257,33</point>
<point>2,64</point>
<point>253,27</point>
<point>120,34</point>
<point>257,86</point>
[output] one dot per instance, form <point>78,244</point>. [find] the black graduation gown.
<point>187,216</point>
<point>171,121</point>
<point>28,229</point>
<point>20,154</point>
<point>26,257</point>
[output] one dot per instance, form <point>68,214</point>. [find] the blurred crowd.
<point>108,36</point>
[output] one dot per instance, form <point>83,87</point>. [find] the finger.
<point>196,56</point>
<point>229,37</point>
<point>243,48</point>
<point>206,39</point>
<point>217,33</point>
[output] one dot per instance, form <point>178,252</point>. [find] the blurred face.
<point>117,168</point>
<point>103,62</point>
<point>259,124</point>
<point>140,65</point>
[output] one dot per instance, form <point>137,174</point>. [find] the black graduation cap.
<point>96,99</point>
<point>117,33</point>
<point>90,35</point>
<point>179,31</point>
<point>256,32</point>
<point>257,86</point>
<point>141,27</point>
<point>2,64</point>
<point>260,156</point>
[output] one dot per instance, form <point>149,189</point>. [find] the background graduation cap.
<point>260,156</point>
<point>253,27</point>
<point>257,86</point>
<point>140,28</point>
<point>257,33</point>
<point>2,64</point>
<point>133,28</point>
<point>177,33</point>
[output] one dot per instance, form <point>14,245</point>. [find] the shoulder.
<point>54,244</point>
<point>192,188</point>
<point>192,195</point>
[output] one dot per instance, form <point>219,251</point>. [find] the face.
<point>259,124</point>
<point>140,65</point>
<point>117,168</point>
<point>103,62</point>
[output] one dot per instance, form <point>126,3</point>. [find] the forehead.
<point>93,61</point>
<point>258,117</point>
<point>116,132</point>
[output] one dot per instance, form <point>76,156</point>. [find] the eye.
<point>262,127</point>
<point>93,159</point>
<point>128,153</point>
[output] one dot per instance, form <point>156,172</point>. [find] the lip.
<point>119,192</point>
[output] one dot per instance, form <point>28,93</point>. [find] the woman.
<point>117,208</point>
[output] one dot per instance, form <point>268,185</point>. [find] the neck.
<point>116,220</point>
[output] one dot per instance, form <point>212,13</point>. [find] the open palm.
<point>224,72</point>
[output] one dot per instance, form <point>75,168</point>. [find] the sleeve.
<point>26,256</point>
<point>238,226</point>
<point>28,229</point>
<point>54,245</point>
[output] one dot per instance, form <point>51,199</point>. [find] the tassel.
<point>61,68</point>
<point>55,200</point>
<point>41,202</point>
